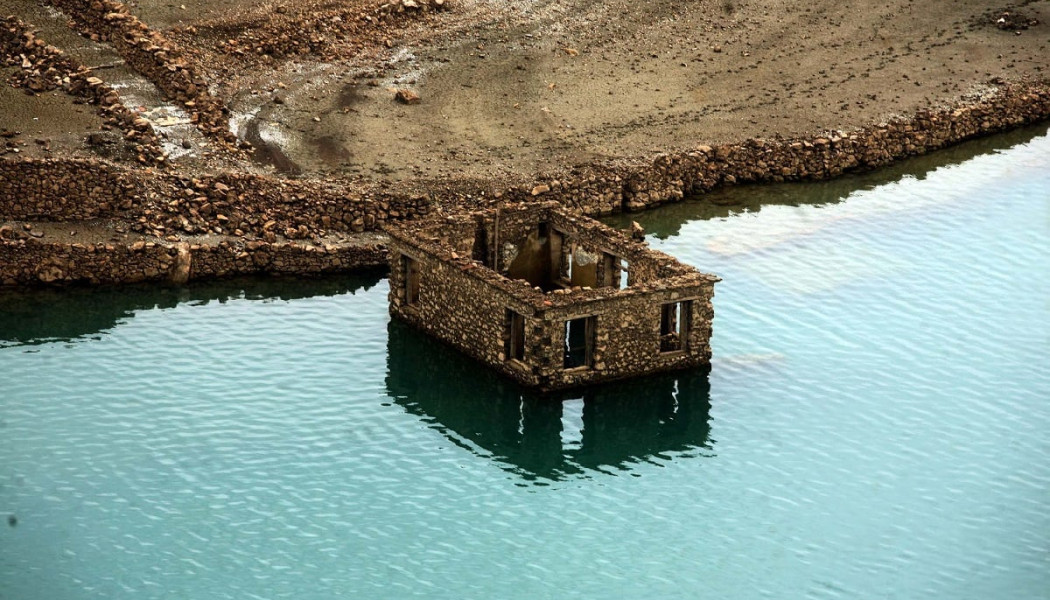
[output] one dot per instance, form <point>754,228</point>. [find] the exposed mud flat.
<point>37,126</point>
<point>536,86</point>
<point>516,88</point>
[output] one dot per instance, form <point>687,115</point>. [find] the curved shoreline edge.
<point>228,224</point>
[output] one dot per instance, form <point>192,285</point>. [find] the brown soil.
<point>513,88</point>
<point>38,126</point>
<point>164,14</point>
<point>540,85</point>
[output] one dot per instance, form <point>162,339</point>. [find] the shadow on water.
<point>30,317</point>
<point>666,221</point>
<point>547,437</point>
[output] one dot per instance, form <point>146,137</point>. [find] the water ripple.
<point>873,425</point>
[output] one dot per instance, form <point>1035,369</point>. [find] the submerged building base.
<point>550,299</point>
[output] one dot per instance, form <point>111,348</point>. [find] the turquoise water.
<point>873,426</point>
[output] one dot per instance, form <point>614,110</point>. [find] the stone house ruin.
<point>548,298</point>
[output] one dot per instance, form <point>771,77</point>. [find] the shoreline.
<point>157,185</point>
<point>30,257</point>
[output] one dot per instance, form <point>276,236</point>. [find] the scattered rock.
<point>637,231</point>
<point>1013,21</point>
<point>406,96</point>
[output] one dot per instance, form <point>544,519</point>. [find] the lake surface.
<point>874,424</point>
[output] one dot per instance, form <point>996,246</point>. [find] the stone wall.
<point>671,177</point>
<point>461,308</point>
<point>628,336</point>
<point>43,67</point>
<point>154,57</point>
<point>458,308</point>
<point>161,203</point>
<point>26,261</point>
<point>228,259</point>
<point>29,261</point>
<point>509,226</point>
<point>265,206</point>
<point>65,190</point>
<point>464,303</point>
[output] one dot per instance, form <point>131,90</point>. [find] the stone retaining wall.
<point>163,204</point>
<point>29,262</point>
<point>65,190</point>
<point>26,262</point>
<point>264,207</point>
<point>671,177</point>
<point>230,259</point>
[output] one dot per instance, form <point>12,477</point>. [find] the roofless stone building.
<point>550,299</point>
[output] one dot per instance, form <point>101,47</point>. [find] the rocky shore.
<point>155,219</point>
<point>265,216</point>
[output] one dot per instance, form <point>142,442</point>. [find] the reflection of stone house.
<point>603,428</point>
<point>550,299</point>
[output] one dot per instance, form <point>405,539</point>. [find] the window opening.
<point>579,342</point>
<point>614,272</point>
<point>515,337</point>
<point>674,326</point>
<point>480,251</point>
<point>571,259</point>
<point>556,257</point>
<point>410,271</point>
<point>533,260</point>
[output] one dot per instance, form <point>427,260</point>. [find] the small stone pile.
<point>156,58</point>
<point>1014,21</point>
<point>288,32</point>
<point>44,67</point>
